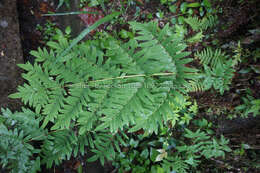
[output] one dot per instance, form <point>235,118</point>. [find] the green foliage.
<point>196,38</point>
<point>183,109</point>
<point>180,31</point>
<point>203,6</point>
<point>137,157</point>
<point>188,156</point>
<point>163,153</point>
<point>125,34</point>
<point>250,105</point>
<point>210,57</point>
<point>201,146</point>
<point>219,78</point>
<point>48,30</point>
<point>64,144</point>
<point>202,24</point>
<point>20,130</point>
<point>166,1</point>
<point>175,164</point>
<point>17,131</point>
<point>218,69</point>
<point>148,153</point>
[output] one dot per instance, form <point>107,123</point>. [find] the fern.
<point>201,24</point>
<point>99,89</point>
<point>113,93</point>
<point>211,57</point>
<point>218,69</point>
<point>204,146</point>
<point>209,22</point>
<point>196,86</point>
<point>175,164</point>
<point>219,77</point>
<point>189,156</point>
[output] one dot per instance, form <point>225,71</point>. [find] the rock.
<point>3,23</point>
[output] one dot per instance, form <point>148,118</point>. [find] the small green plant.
<point>184,110</point>
<point>250,105</point>
<point>199,26</point>
<point>48,30</point>
<point>170,4</point>
<point>188,155</point>
<point>160,14</point>
<point>126,34</point>
<point>138,154</point>
<point>218,69</point>
<point>196,38</point>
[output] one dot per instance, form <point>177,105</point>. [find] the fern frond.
<point>64,144</point>
<point>92,88</point>
<point>59,146</point>
<point>209,22</point>
<point>193,22</point>
<point>196,38</point>
<point>219,70</point>
<point>202,24</point>
<point>176,164</point>
<point>196,86</point>
<point>211,57</point>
